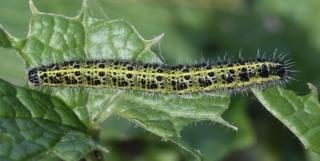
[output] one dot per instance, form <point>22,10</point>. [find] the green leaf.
<point>301,114</point>
<point>55,39</point>
<point>34,125</point>
<point>313,156</point>
<point>229,142</point>
<point>166,116</point>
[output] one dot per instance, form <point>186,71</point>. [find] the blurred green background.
<point>195,29</point>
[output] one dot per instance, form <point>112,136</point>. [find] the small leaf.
<point>34,125</point>
<point>301,114</point>
<point>166,116</point>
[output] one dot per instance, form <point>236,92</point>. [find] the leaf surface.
<point>34,125</point>
<point>55,39</point>
<point>301,114</point>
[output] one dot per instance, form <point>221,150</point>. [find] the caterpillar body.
<point>158,78</point>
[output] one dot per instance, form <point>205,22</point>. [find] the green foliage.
<point>301,114</point>
<point>66,123</point>
<point>34,125</point>
<point>313,156</point>
<point>55,39</point>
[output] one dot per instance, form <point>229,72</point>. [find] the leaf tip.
<point>313,88</point>
<point>84,10</point>
<point>103,149</point>
<point>227,124</point>
<point>5,38</point>
<point>33,8</point>
<point>157,39</point>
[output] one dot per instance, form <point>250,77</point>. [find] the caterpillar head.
<point>33,77</point>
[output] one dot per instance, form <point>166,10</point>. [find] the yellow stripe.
<point>167,76</point>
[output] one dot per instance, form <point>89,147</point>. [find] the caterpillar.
<point>165,79</point>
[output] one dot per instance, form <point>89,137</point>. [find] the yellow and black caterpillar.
<point>157,78</point>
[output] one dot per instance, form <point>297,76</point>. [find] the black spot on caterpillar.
<point>158,78</point>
